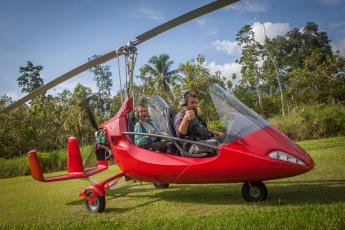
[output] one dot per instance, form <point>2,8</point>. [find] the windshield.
<point>157,108</point>
<point>235,117</point>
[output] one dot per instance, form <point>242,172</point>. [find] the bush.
<point>14,167</point>
<point>312,122</point>
<point>52,161</point>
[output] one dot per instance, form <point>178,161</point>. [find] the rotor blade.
<point>141,38</point>
<point>64,77</point>
<point>184,18</point>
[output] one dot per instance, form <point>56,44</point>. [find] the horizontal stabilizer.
<point>36,170</point>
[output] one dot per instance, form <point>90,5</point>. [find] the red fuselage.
<point>244,160</point>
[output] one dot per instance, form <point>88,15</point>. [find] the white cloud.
<point>249,6</point>
<point>337,24</point>
<point>213,31</point>
<point>151,14</point>
<point>272,30</point>
<point>14,94</point>
<point>200,21</point>
<point>340,46</point>
<point>332,2</point>
<point>227,69</point>
<point>230,48</point>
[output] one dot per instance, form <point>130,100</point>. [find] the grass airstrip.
<point>315,200</point>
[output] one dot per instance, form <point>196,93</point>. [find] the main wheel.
<point>254,191</point>
<point>97,205</point>
<point>158,185</point>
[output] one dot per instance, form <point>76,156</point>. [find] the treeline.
<point>298,71</point>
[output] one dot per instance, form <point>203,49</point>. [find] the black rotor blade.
<point>86,105</point>
<point>63,78</point>
<point>182,19</point>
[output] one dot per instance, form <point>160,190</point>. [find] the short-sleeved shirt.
<point>141,140</point>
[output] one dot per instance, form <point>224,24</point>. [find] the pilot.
<point>145,125</point>
<point>189,125</point>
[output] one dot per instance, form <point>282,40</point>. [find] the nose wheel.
<point>160,186</point>
<point>97,205</point>
<point>254,191</point>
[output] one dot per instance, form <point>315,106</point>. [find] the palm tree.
<point>158,71</point>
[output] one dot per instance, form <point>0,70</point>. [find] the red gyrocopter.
<point>258,151</point>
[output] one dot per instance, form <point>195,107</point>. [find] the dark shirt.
<point>197,129</point>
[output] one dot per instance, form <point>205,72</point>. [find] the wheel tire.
<point>254,191</point>
<point>98,205</point>
<point>158,185</point>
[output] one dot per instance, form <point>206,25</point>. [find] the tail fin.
<point>74,161</point>
<point>35,166</point>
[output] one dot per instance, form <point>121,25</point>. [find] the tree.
<point>104,83</point>
<point>251,59</point>
<point>197,78</point>
<point>158,72</point>
<point>298,53</point>
<point>74,116</point>
<point>30,78</point>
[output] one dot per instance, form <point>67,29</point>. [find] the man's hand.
<point>190,115</point>
<point>152,131</point>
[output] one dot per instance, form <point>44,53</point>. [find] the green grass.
<point>315,200</point>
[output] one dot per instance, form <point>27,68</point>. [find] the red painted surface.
<point>244,160</point>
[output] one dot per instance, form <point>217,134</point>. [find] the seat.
<point>170,114</point>
<point>131,120</point>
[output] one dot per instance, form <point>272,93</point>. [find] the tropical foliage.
<point>296,78</point>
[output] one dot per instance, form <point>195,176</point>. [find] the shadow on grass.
<point>307,192</point>
<point>124,210</point>
<point>279,193</point>
<point>287,193</point>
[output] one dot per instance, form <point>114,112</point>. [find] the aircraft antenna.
<point>118,67</point>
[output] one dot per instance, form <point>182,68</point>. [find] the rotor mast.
<point>131,57</point>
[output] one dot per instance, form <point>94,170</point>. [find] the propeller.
<point>122,50</point>
<point>86,105</point>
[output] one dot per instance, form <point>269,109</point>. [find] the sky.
<point>61,35</point>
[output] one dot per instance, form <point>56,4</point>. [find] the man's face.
<point>192,103</point>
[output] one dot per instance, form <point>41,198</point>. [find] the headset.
<point>136,114</point>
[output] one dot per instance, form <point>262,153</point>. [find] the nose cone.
<point>290,151</point>
<point>268,154</point>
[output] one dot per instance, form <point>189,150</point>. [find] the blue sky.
<point>61,35</point>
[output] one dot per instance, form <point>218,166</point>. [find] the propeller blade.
<point>64,77</point>
<point>90,114</point>
<point>182,19</point>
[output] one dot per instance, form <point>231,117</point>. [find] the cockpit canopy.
<point>234,117</point>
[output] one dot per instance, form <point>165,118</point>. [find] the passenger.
<point>144,125</point>
<point>189,125</point>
